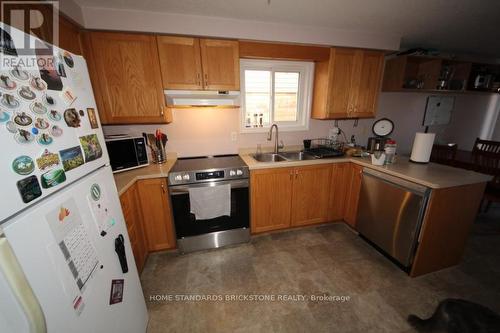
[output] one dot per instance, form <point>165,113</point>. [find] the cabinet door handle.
<point>198,79</point>
<point>161,112</point>
<point>291,175</point>
<point>163,188</point>
<point>296,173</point>
<point>206,79</point>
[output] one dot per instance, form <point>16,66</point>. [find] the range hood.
<point>186,98</point>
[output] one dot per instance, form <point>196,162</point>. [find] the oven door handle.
<point>183,189</point>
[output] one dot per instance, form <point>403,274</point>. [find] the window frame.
<point>304,98</point>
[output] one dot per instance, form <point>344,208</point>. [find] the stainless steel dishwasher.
<point>390,214</point>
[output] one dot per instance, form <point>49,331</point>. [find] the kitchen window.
<point>275,92</point>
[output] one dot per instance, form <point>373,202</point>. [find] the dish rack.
<point>327,144</point>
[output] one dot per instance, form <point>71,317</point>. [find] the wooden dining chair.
<point>486,146</point>
<point>486,159</point>
<point>444,154</point>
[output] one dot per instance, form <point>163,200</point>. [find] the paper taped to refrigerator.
<point>69,231</point>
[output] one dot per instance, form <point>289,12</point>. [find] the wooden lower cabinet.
<point>353,178</point>
<point>156,213</point>
<point>285,197</point>
<point>270,199</point>
<point>133,218</point>
<point>339,185</point>
<point>311,194</point>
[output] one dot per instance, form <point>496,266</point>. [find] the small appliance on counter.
<point>126,152</point>
<point>382,128</point>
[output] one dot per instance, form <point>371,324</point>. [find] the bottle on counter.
<point>390,151</point>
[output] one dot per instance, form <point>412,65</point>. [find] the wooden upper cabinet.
<point>341,84</point>
<point>199,64</point>
<point>347,85</point>
<point>180,62</point>
<point>368,82</point>
<point>221,64</point>
<point>271,197</point>
<point>69,36</point>
<point>125,73</point>
<point>156,213</point>
<point>311,194</point>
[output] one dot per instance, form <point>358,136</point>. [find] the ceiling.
<point>462,26</point>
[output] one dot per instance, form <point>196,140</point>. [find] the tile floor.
<point>319,260</point>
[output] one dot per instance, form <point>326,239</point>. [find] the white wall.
<point>406,110</point>
<point>207,131</point>
<point>72,9</point>
<point>168,23</point>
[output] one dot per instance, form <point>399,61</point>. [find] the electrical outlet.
<point>234,136</point>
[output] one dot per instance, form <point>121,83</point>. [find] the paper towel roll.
<point>422,147</point>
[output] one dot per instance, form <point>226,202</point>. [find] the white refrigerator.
<point>66,263</point>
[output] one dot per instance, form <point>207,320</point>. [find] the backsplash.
<point>207,131</point>
<point>468,120</point>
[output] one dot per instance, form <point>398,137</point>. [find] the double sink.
<point>283,157</point>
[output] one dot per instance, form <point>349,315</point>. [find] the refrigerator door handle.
<point>15,277</point>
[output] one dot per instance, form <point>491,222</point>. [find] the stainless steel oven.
<point>197,234</point>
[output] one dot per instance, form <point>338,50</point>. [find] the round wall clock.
<point>383,127</point>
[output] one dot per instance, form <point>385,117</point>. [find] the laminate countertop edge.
<point>432,175</point>
<point>124,180</point>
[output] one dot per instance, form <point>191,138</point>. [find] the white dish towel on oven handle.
<point>210,202</point>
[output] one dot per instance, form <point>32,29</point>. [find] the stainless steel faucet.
<point>277,146</point>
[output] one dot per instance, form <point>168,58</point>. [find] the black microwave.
<point>126,152</point>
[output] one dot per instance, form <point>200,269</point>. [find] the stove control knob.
<point>232,173</point>
<point>178,177</point>
<point>239,172</point>
<point>185,177</point>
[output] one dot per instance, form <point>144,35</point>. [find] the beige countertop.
<point>431,175</point>
<point>126,179</point>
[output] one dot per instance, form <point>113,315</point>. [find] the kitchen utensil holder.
<point>158,154</point>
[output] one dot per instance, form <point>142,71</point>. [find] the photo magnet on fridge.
<point>53,178</point>
<point>7,44</point>
<point>23,165</point>
<point>68,59</point>
<point>72,118</point>
<point>92,118</point>
<point>91,147</point>
<point>59,65</point>
<point>4,116</point>
<point>29,188</point>
<point>47,65</point>
<point>47,160</point>
<point>71,158</point>
<point>116,295</point>
<point>68,96</point>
